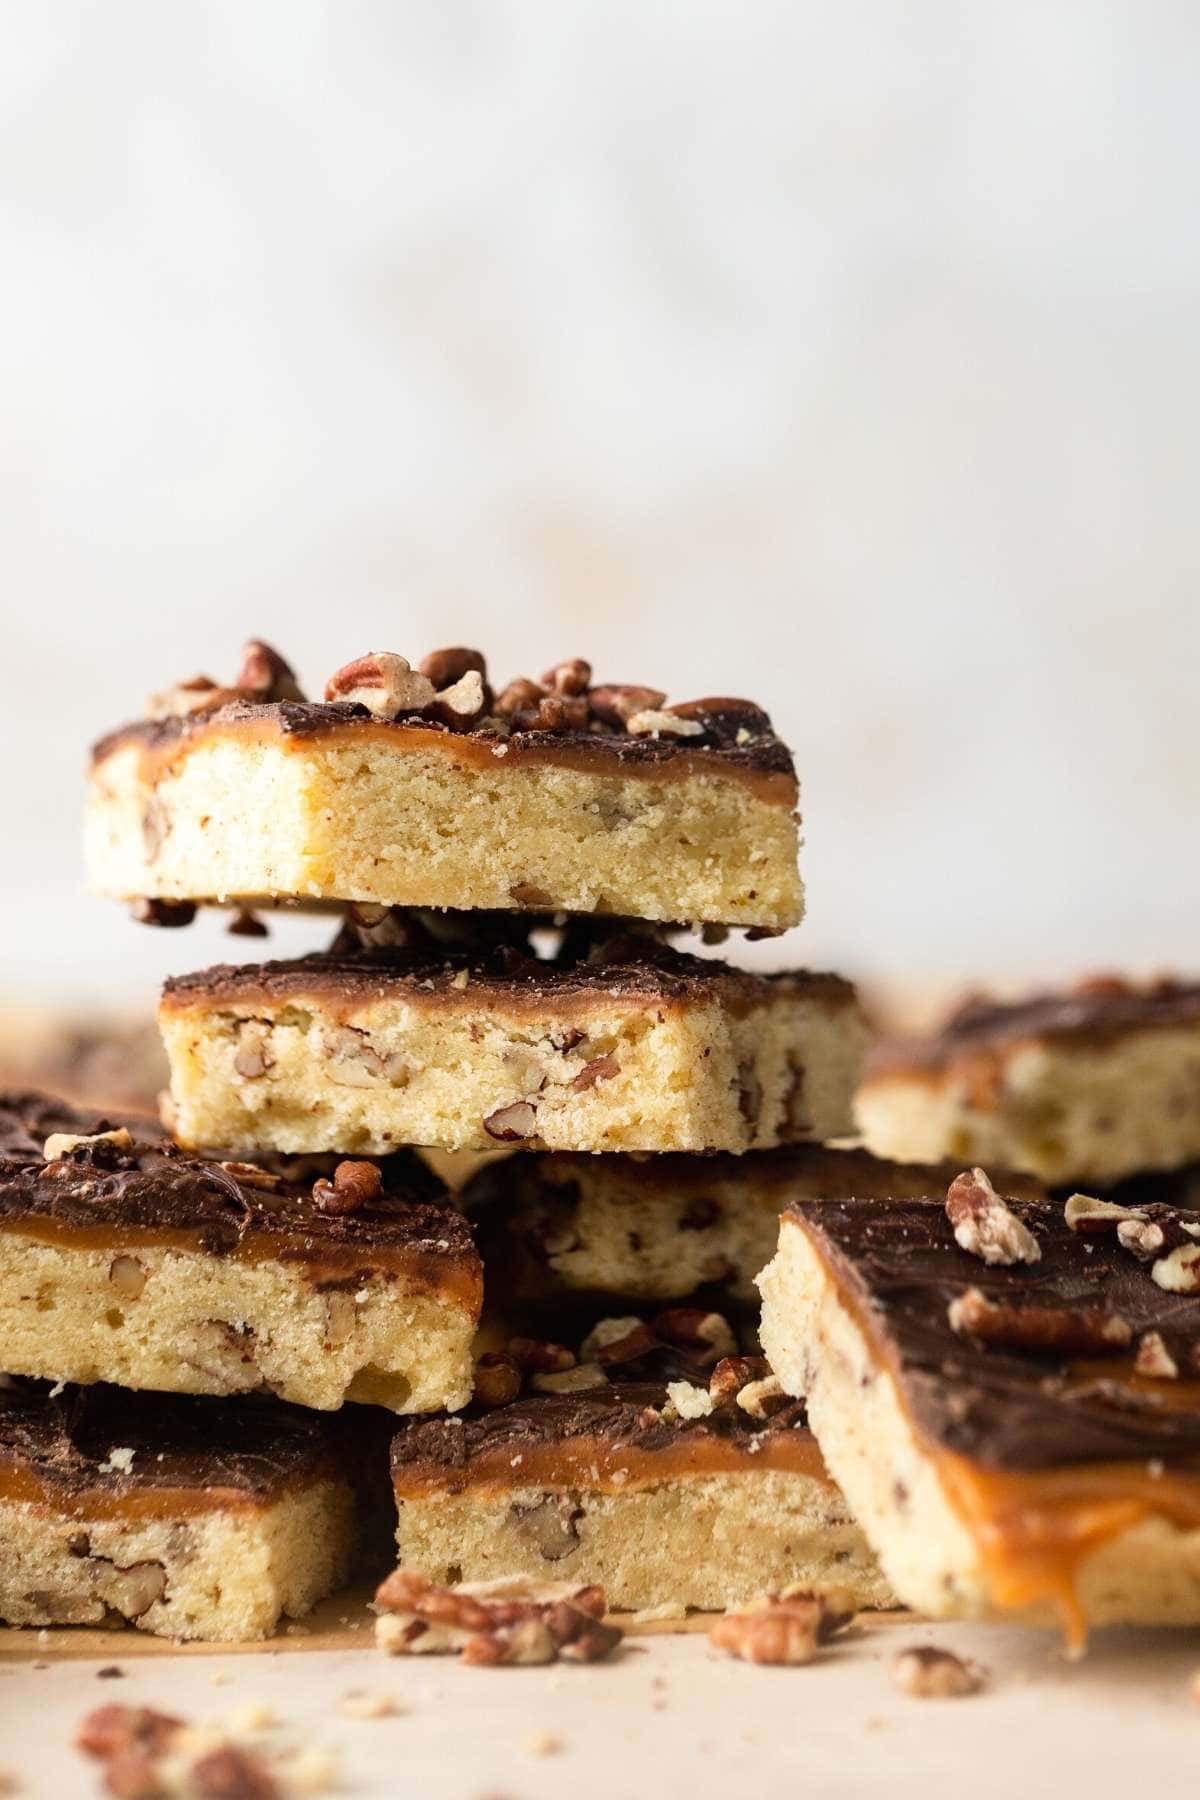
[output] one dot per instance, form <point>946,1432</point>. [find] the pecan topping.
<point>510,1620</point>
<point>613,705</point>
<point>497,1379</point>
<point>984,1226</point>
<point>62,1143</point>
<point>732,1374</point>
<point>461,705</point>
<point>1179,1271</point>
<point>570,677</point>
<point>1141,1237</point>
<point>931,1674</point>
<point>652,723</point>
<point>1154,1359</point>
<point>383,683</point>
<point>510,1123</point>
<point>570,1381</point>
<point>354,1185</point>
<point>1096,1218</point>
<point>703,1335</point>
<point>519,696</point>
<point>264,675</point>
<point>444,668</point>
<point>538,1356</point>
<point>762,1398</point>
<point>781,1628</point>
<point>1055,1330</point>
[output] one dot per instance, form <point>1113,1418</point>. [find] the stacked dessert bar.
<point>509,873</point>
<point>1007,1388</point>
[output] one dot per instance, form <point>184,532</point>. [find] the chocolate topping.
<point>155,1186</point>
<point>759,749</point>
<point>898,1266</point>
<point>635,967</point>
<point>251,1445</point>
<point>623,1415</point>
<point>1096,1013</point>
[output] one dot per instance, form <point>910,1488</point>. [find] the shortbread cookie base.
<point>358,809</point>
<point>228,1576</point>
<point>1149,1574</point>
<point>224,1325</point>
<point>1088,1113</point>
<point>706,1542</point>
<point>661,1227</point>
<point>356,1057</point>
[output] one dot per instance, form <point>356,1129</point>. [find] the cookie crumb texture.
<point>184,1322</point>
<point>304,1072</point>
<point>706,1542</point>
<point>222,1577</point>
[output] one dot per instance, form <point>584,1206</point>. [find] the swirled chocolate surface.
<point>896,1264</point>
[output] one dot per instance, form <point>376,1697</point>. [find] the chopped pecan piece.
<point>383,683</point>
<point>1141,1237</point>
<point>570,677</point>
<point>264,674</point>
<point>107,1730</point>
<point>931,1674</point>
<point>510,1620</point>
<point>1096,1218</point>
<point>733,1373</point>
<point>984,1226</point>
<point>601,1068</point>
<point>615,704</point>
<point>539,1356</point>
<point>1179,1271</point>
<point>444,668</point>
<point>1154,1359</point>
<point>1056,1330</point>
<point>703,1335</point>
<point>497,1379</point>
<point>780,1628</point>
<point>509,1124</point>
<point>355,1184</point>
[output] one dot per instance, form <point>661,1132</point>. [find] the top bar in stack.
<point>424,788</point>
<point>1088,1085</point>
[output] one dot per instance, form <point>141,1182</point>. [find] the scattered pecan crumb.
<point>790,1627</point>
<point>510,1620</point>
<point>1154,1359</point>
<point>928,1673</point>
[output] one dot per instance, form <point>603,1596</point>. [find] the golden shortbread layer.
<point>141,1315</point>
<point>295,1067</point>
<point>708,1542</point>
<point>414,817</point>
<point>1088,1112</point>
<point>223,1576</point>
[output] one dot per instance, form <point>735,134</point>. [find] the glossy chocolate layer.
<point>897,1266</point>
<point>1099,1013</point>
<point>601,1428</point>
<point>61,1442</point>
<point>104,1193</point>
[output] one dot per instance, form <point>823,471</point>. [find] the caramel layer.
<point>608,1467</point>
<point>417,1272</point>
<point>1035,1531</point>
<point>129,1504</point>
<point>616,758</point>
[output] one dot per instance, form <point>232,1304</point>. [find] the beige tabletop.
<point>667,1719</point>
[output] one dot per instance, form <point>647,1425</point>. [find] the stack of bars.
<point>574,1338</point>
<point>508,871</point>
<point>1007,1386</point>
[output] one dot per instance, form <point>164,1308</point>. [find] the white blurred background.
<point>841,355</point>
